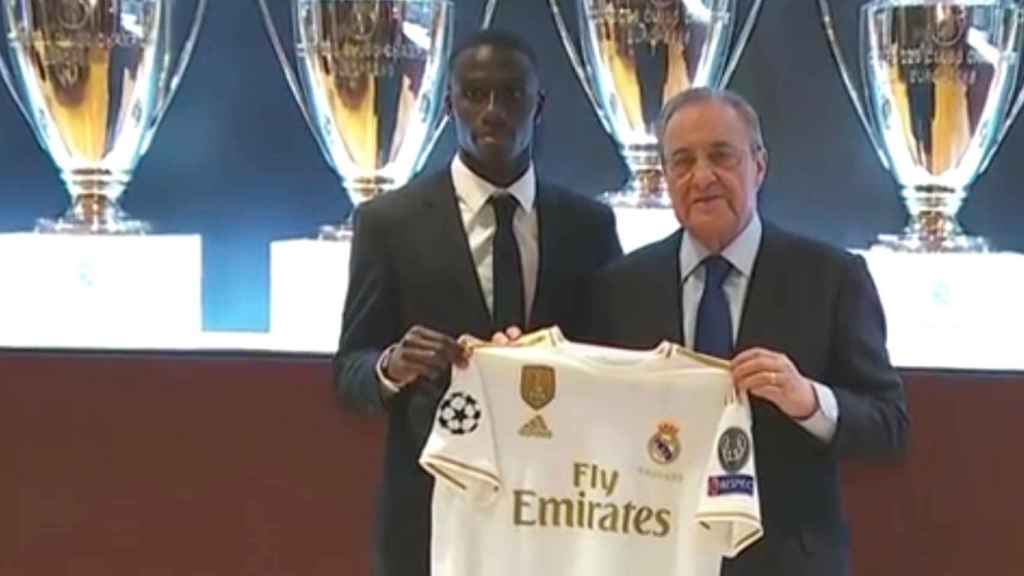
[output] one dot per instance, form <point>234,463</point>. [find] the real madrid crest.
<point>664,446</point>
<point>537,386</point>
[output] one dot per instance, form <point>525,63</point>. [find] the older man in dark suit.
<point>800,321</point>
<point>478,248</point>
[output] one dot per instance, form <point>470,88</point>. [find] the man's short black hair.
<point>496,38</point>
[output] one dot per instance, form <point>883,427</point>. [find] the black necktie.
<point>713,334</point>
<point>508,267</point>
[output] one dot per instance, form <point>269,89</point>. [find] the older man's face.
<point>713,172</point>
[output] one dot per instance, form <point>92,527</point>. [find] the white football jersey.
<point>553,457</point>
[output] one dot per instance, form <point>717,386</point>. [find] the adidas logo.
<point>535,428</point>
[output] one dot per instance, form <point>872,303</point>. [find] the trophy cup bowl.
<point>369,77</point>
<point>940,92</point>
<point>636,55</point>
<point>93,79</point>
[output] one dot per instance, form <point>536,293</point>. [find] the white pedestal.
<point>952,310</point>
<point>143,292</point>
<point>308,282</point>
<point>99,291</point>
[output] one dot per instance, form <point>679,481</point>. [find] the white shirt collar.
<point>475,191</point>
<point>741,252</point>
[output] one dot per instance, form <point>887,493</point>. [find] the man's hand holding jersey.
<point>422,355</point>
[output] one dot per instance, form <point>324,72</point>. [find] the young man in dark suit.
<point>477,248</point>
<point>800,321</point>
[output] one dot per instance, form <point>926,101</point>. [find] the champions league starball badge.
<point>460,413</point>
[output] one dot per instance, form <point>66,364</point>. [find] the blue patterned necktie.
<point>713,333</point>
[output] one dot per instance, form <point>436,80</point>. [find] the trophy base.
<point>646,189</point>
<point>94,214</point>
<point>631,199</point>
<point>335,232</point>
<point>915,244</point>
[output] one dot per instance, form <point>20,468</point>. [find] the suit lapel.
<point>451,253</point>
<point>666,287</point>
<point>767,297</point>
<point>552,261</point>
<point>766,293</point>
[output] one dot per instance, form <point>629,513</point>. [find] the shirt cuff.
<point>822,424</point>
<point>388,387</point>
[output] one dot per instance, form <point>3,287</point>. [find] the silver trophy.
<point>370,80</point>
<point>93,78</point>
<point>639,53</point>
<point>940,92</point>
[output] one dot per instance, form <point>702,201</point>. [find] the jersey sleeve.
<point>729,507</point>
<point>460,451</point>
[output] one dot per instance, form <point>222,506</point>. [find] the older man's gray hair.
<point>721,96</point>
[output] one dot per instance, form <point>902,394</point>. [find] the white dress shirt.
<point>472,193</point>
<point>742,253</point>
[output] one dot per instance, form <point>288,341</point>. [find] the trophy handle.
<point>8,78</point>
<point>741,41</point>
<point>851,89</point>
<point>577,64</point>
<point>292,80</point>
<point>1014,112</point>
<point>488,19</point>
<point>179,72</point>
<point>489,9</point>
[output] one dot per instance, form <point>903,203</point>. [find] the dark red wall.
<point>191,465</point>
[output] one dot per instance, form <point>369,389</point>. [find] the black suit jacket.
<point>411,264</point>
<point>819,306</point>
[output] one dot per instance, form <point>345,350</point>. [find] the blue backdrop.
<point>234,161</point>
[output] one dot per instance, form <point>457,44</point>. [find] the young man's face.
<point>495,102</point>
